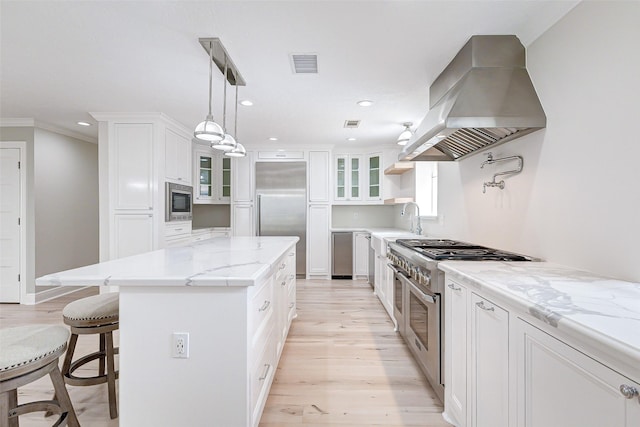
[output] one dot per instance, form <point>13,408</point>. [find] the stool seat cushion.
<point>25,344</point>
<point>97,307</point>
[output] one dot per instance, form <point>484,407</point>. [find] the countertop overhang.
<point>232,261</point>
<point>593,309</point>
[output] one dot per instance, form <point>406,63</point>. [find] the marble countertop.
<point>228,261</point>
<point>578,302</point>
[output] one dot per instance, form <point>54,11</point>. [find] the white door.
<point>9,225</point>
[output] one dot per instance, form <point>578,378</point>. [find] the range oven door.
<point>399,298</point>
<point>422,323</point>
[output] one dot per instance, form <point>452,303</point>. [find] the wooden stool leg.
<point>8,401</point>
<point>69,356</point>
<point>101,360</point>
<point>111,376</point>
<point>63,396</point>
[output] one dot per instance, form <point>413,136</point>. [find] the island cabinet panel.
<point>236,337</point>
<point>561,386</point>
<point>455,393</point>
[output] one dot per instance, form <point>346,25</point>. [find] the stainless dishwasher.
<point>341,255</point>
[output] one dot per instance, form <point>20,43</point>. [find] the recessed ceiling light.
<point>273,138</point>
<point>84,124</point>
<point>441,136</point>
<point>351,139</point>
<point>365,103</point>
<point>246,103</point>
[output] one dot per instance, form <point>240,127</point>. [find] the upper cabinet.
<point>177,157</point>
<point>348,177</point>
<point>212,176</point>
<point>358,178</point>
<point>131,163</point>
<point>319,182</point>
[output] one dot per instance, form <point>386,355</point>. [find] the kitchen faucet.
<point>404,207</point>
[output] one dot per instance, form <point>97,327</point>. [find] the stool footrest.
<point>74,380</point>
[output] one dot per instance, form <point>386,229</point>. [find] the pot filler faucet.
<point>404,208</point>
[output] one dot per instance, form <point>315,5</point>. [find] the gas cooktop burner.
<point>434,243</point>
<point>439,250</point>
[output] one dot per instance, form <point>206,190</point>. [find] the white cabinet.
<point>131,166</point>
<point>361,245</point>
<point>374,177</point>
<point>318,238</point>
<point>242,220</point>
<point>133,234</point>
<point>212,176</point>
<point>319,182</point>
<point>348,177</point>
<point>243,179</point>
<point>561,386</point>
<point>489,362</point>
<point>476,359</point>
<point>177,157</point>
<point>455,392</point>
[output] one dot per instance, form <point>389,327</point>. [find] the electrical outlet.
<point>180,345</point>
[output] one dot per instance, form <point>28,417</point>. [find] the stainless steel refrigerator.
<point>281,194</point>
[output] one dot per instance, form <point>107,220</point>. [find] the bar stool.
<point>28,353</point>
<point>98,314</point>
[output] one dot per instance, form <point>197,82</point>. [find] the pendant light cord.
<point>235,127</point>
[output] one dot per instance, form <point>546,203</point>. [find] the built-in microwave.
<point>178,202</point>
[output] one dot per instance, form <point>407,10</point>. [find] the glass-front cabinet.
<point>348,177</point>
<point>213,177</point>
<point>373,188</point>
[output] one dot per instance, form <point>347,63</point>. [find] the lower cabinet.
<point>502,371</point>
<point>242,222</point>
<point>361,255</point>
<point>133,234</point>
<point>489,362</point>
<point>318,237</point>
<point>561,386</point>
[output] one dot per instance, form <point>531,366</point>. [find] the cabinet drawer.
<point>261,307</point>
<point>261,374</point>
<point>177,228</point>
<point>291,303</point>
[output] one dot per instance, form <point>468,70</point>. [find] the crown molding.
<point>66,132</point>
<point>17,122</point>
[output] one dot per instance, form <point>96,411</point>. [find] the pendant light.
<point>208,130</point>
<point>228,142</point>
<point>239,150</point>
<point>406,134</point>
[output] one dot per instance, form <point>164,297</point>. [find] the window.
<point>427,188</point>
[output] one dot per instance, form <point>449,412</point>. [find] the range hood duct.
<point>483,98</point>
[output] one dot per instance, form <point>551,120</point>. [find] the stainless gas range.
<point>418,295</point>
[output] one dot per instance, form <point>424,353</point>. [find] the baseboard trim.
<point>49,294</point>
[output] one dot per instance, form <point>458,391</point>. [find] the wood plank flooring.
<point>342,365</point>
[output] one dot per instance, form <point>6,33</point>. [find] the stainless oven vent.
<point>484,97</point>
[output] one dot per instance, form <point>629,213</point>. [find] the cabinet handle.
<point>282,266</point>
<point>628,391</point>
<point>178,229</point>
<point>293,276</point>
<point>265,373</point>
<point>291,254</point>
<point>150,208</point>
<point>284,282</point>
<point>292,304</point>
<point>452,287</point>
<point>265,306</point>
<point>485,308</point>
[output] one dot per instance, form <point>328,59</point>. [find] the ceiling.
<point>60,60</point>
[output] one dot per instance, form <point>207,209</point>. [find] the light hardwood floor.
<point>342,365</point>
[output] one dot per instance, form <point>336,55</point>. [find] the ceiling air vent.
<point>304,63</point>
<point>351,124</point>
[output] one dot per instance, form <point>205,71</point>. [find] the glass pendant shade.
<point>209,131</point>
<point>239,151</point>
<point>228,143</point>
<point>405,136</point>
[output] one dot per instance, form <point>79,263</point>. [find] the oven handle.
<point>428,298</point>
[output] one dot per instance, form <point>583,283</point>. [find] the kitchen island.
<point>557,346</point>
<point>234,297</point>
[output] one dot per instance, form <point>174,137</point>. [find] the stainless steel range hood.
<point>483,98</point>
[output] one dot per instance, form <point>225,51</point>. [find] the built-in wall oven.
<point>418,295</point>
<point>178,202</point>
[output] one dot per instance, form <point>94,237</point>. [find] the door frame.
<point>22,150</point>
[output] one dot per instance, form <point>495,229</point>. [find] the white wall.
<point>577,201</point>
<point>66,202</point>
